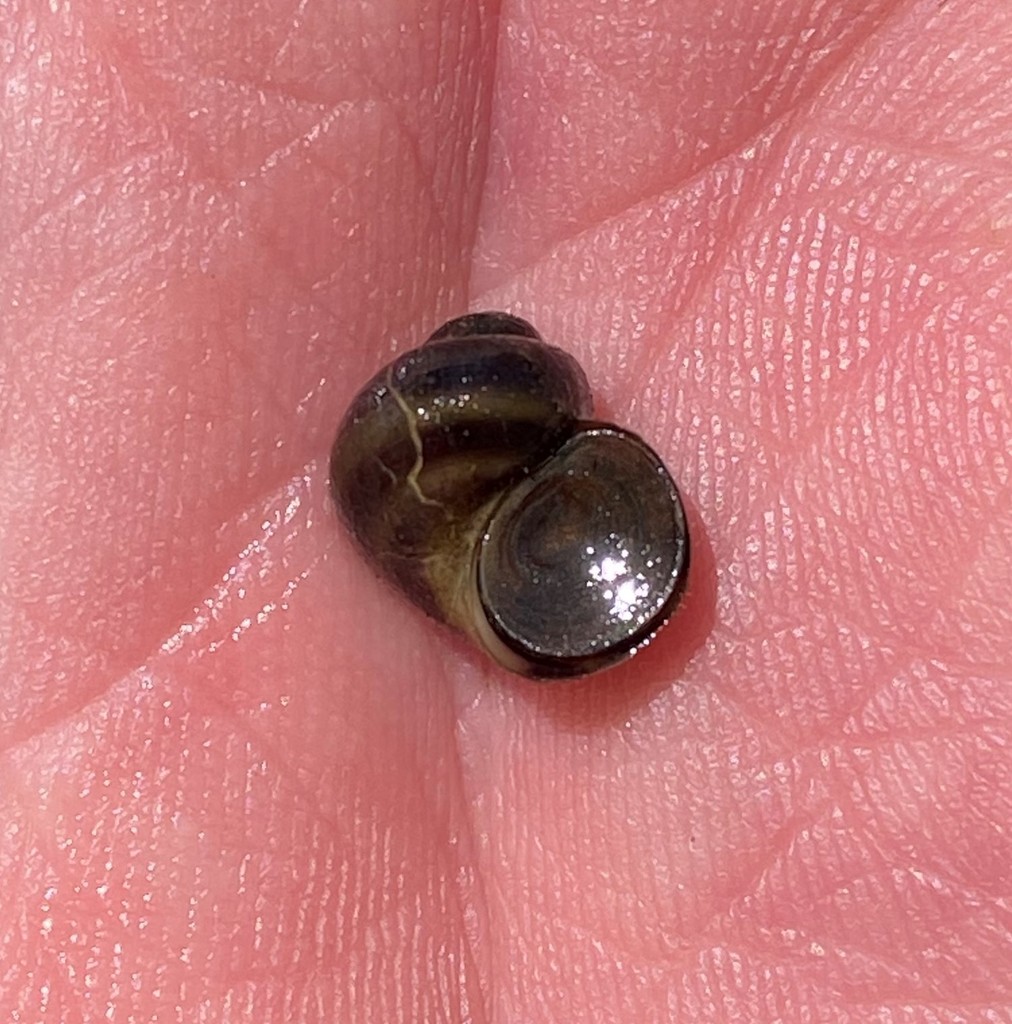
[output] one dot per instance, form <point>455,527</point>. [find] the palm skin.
<point>243,780</point>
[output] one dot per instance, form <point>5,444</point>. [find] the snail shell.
<point>471,475</point>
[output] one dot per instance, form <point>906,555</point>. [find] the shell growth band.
<point>471,475</point>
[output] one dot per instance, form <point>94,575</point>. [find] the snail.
<point>470,473</point>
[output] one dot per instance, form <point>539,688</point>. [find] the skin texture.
<point>242,781</point>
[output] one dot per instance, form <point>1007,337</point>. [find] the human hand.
<point>245,781</point>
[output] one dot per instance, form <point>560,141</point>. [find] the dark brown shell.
<point>469,473</point>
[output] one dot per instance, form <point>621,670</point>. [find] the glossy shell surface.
<point>469,472</point>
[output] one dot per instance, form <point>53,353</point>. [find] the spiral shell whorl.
<point>469,473</point>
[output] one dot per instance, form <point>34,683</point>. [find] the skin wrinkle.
<point>480,907</point>
<point>295,24</point>
<point>328,108</point>
<point>149,79</point>
<point>472,905</point>
<point>815,738</point>
<point>70,196</point>
<point>618,215</point>
<point>40,724</point>
<point>762,724</point>
<point>818,430</point>
<point>780,842</point>
<point>818,441</point>
<point>778,126</point>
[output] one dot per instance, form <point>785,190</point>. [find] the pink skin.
<point>243,780</point>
